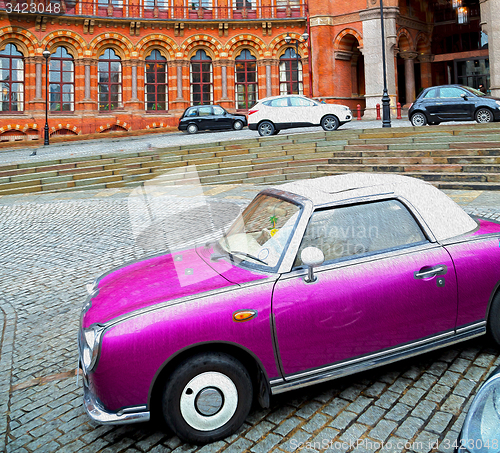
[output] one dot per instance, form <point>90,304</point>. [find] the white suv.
<point>270,115</point>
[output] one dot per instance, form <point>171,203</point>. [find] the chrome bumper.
<point>100,415</point>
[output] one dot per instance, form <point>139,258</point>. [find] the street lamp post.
<point>288,40</point>
<point>386,101</point>
<point>46,55</point>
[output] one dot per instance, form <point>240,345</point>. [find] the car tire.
<point>484,115</point>
<point>238,125</point>
<point>493,326</point>
<point>192,128</point>
<point>330,123</point>
<point>418,119</point>
<point>207,398</point>
<point>266,128</point>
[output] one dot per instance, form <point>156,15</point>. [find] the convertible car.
<point>317,279</point>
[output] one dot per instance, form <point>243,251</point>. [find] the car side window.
<point>204,111</point>
<point>300,102</point>
<point>279,102</point>
<point>218,110</point>
<point>192,112</point>
<point>431,94</point>
<point>360,229</point>
<point>450,92</point>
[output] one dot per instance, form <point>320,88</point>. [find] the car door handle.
<point>426,272</point>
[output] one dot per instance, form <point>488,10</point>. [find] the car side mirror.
<point>312,257</point>
<point>464,96</point>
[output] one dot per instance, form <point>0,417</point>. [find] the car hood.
<point>161,279</point>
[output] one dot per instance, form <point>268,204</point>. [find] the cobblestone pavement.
<point>52,244</point>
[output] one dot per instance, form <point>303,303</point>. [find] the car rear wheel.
<point>418,119</point>
<point>192,128</point>
<point>484,115</point>
<point>330,123</point>
<point>266,128</point>
<point>237,125</point>
<point>493,327</point>
<point>207,398</point>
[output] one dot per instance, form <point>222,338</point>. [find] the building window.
<point>156,87</point>
<point>201,79</point>
<point>110,81</point>
<point>12,79</point>
<point>291,73</point>
<point>62,81</point>
<point>240,4</point>
<point>196,4</point>
<point>246,80</point>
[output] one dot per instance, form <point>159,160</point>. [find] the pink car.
<point>317,279</point>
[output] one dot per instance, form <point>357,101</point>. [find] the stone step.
<point>424,160</point>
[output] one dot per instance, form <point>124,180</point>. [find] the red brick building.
<point>134,64</point>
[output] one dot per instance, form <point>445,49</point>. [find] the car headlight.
<point>92,286</point>
<point>481,430</point>
<point>90,342</point>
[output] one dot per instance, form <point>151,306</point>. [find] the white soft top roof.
<point>442,215</point>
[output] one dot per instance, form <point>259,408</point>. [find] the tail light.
<point>252,111</point>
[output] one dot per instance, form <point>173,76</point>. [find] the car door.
<point>301,112</point>
<point>383,284</point>
<point>205,117</point>
<point>453,104</point>
<point>221,119</point>
<point>430,103</point>
<point>279,112</point>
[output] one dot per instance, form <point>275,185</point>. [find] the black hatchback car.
<point>453,103</point>
<point>210,117</point>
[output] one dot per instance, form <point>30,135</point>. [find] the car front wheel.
<point>330,123</point>
<point>266,128</point>
<point>484,116</point>
<point>493,327</point>
<point>237,125</point>
<point>207,398</point>
<point>192,128</point>
<point>418,119</point>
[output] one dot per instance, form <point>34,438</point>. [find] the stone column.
<point>354,74</point>
<point>179,103</point>
<point>372,52</point>
<point>87,96</point>
<point>38,78</point>
<point>225,65</point>
<point>90,65</point>
<point>269,81</point>
<point>409,58</point>
<point>425,70</point>
<point>491,26</point>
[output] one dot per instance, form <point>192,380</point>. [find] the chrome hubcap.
<point>418,120</point>
<point>192,129</point>
<point>237,125</point>
<point>208,401</point>
<point>330,124</point>
<point>266,129</point>
<point>484,116</point>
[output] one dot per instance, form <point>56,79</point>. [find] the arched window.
<point>156,82</point>
<point>61,81</point>
<point>291,73</point>
<point>12,79</point>
<point>201,79</point>
<point>246,80</point>
<point>110,81</point>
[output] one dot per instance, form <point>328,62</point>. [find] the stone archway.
<point>349,66</point>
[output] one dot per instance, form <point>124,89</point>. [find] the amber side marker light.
<point>244,315</point>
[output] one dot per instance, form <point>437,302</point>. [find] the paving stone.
<point>287,426</point>
<point>296,441</point>
<point>375,389</point>
<point>315,423</point>
<point>258,431</point>
<point>239,446</point>
<point>424,409</point>
<point>371,416</point>
<point>425,442</point>
<point>334,407</point>
<point>325,438</point>
<point>412,396</point>
<point>280,414</point>
<point>343,420</point>
<point>464,388</point>
<point>438,393</point>
<point>387,399</point>
<point>439,422</point>
<point>398,412</point>
<point>266,444</point>
<point>308,409</point>
<point>382,430</point>
<point>409,427</point>
<point>453,404</point>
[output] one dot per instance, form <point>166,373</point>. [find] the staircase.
<point>458,157</point>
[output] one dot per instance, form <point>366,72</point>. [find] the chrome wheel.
<point>209,401</point>
<point>330,123</point>
<point>192,128</point>
<point>484,116</point>
<point>238,125</point>
<point>266,128</point>
<point>418,119</point>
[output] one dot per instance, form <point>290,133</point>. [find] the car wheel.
<point>484,115</point>
<point>330,123</point>
<point>493,327</point>
<point>266,128</point>
<point>192,128</point>
<point>418,119</point>
<point>207,398</point>
<point>237,125</point>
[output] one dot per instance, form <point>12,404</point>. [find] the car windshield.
<point>260,235</point>
<point>474,91</point>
